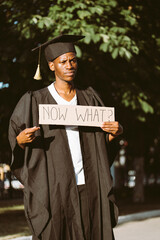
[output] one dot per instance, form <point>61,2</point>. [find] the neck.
<point>64,87</point>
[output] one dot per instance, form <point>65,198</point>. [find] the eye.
<point>63,61</point>
<point>74,60</point>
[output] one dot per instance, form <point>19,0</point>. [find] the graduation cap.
<point>55,48</point>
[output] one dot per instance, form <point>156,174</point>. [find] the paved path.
<point>138,226</point>
<point>148,229</point>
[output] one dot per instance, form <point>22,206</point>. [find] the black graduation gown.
<point>46,170</point>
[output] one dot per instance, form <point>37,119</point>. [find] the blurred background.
<point>119,57</point>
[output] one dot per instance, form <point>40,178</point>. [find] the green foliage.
<point>137,101</point>
<point>129,16</point>
<point>78,51</point>
<point>146,107</point>
<point>119,55</point>
<point>93,19</point>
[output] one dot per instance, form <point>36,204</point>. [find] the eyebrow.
<point>65,59</point>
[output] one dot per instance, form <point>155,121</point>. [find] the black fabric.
<point>59,45</point>
<point>57,49</point>
<point>52,203</point>
<point>84,211</point>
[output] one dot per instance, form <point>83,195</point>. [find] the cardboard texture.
<point>53,114</point>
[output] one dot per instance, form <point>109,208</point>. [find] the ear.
<point>51,66</point>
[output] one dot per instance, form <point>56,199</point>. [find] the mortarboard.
<point>55,48</point>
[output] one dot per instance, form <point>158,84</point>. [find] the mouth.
<point>70,73</point>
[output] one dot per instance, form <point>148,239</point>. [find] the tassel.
<point>37,75</point>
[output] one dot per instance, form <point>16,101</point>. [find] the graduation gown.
<point>46,170</point>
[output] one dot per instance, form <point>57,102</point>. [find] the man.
<point>65,170</point>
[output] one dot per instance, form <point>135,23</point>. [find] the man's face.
<point>65,66</point>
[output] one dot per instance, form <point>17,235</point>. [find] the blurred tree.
<point>120,53</point>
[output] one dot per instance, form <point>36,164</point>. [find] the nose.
<point>68,65</point>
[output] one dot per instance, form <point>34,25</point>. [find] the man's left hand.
<point>113,128</point>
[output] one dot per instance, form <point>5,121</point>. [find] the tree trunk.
<point>138,192</point>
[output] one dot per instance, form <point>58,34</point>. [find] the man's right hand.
<point>26,136</point>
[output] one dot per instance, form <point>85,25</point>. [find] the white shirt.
<point>73,137</point>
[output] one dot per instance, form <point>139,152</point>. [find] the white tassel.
<point>37,75</point>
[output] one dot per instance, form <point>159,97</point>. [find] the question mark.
<point>110,114</point>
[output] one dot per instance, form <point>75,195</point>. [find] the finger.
<point>33,129</point>
<point>114,133</point>
<point>111,123</point>
<point>31,139</point>
<point>106,129</point>
<point>110,130</point>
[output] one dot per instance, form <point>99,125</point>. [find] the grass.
<point>12,219</point>
<point>13,223</point>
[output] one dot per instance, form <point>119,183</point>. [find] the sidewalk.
<point>11,237</point>
<point>138,216</point>
<point>144,225</point>
<point>148,229</point>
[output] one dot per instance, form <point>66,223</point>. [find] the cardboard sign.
<point>75,115</point>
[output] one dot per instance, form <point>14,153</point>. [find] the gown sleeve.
<point>113,146</point>
<point>19,120</point>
